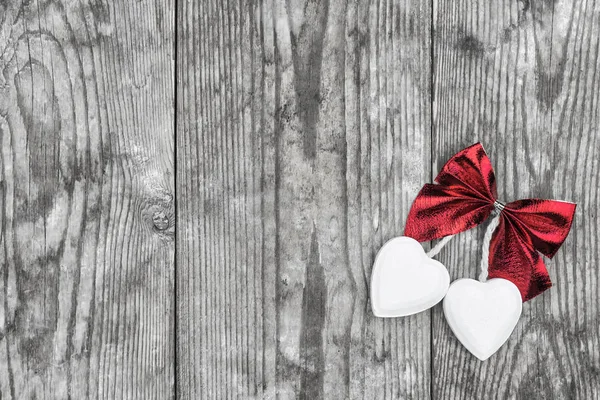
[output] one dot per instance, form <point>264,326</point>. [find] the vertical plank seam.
<point>431,128</point>
<point>175,277</point>
<point>277,129</point>
<point>552,77</point>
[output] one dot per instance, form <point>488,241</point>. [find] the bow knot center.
<point>499,206</point>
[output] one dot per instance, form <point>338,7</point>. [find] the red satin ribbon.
<point>465,195</point>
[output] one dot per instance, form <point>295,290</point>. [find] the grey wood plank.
<point>86,173</point>
<point>522,77</point>
<point>303,136</point>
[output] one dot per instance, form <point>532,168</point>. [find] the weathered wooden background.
<point>192,193</point>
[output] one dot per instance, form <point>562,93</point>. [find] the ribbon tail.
<point>513,259</point>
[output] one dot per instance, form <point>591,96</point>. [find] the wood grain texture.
<point>86,174</point>
<point>523,78</point>
<point>303,136</point>
<point>304,130</point>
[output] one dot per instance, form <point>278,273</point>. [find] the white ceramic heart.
<point>482,315</point>
<point>405,280</point>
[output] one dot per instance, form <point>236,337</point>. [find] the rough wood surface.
<point>86,180</point>
<point>303,136</point>
<point>523,77</point>
<point>304,129</point>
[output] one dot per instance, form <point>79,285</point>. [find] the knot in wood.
<point>161,221</point>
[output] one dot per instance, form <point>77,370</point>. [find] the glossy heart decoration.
<point>482,315</point>
<point>405,280</point>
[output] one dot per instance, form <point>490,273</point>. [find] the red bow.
<point>466,195</point>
